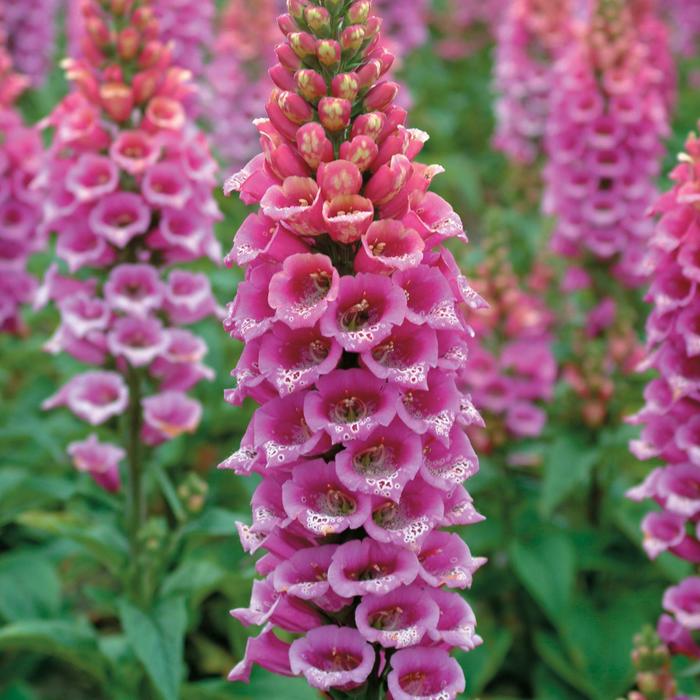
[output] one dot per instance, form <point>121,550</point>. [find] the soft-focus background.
<point>567,586</point>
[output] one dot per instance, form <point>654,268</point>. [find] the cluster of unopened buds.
<point>127,190</point>
<point>20,208</point>
<point>511,369</point>
<point>532,35</point>
<point>353,317</point>
<point>652,661</point>
<point>671,414</point>
<point>237,76</point>
<point>608,116</point>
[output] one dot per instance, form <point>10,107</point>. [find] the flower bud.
<point>370,124</point>
<point>361,151</point>
<point>329,52</point>
<point>310,85</point>
<point>352,37</point>
<point>286,24</point>
<point>144,85</point>
<point>128,43</point>
<point>119,7</point>
<point>334,113</point>
<point>117,100</point>
<point>303,44</point>
<point>143,17</point>
<point>287,57</point>
<point>358,12</point>
<point>98,31</point>
<point>313,144</point>
<point>151,54</point>
<point>369,73</point>
<point>318,19</point>
<point>295,108</point>
<point>296,8</point>
<point>282,77</point>
<point>345,85</point>
<point>381,96</point>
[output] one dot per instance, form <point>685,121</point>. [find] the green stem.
<point>135,495</point>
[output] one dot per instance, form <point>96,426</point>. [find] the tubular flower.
<point>127,188</point>
<point>671,414</point>
<point>353,315</point>
<point>237,83</point>
<point>531,36</point>
<point>608,116</point>
<point>20,208</point>
<point>511,369</point>
<point>31,35</point>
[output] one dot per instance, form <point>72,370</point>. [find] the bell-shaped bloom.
<point>446,561</point>
<point>397,619</point>
<point>423,673</point>
<point>410,520</point>
<point>170,414</point>
<point>84,315</point>
<point>302,290</point>
<point>282,431</point>
<point>683,602</point>
<point>389,245</point>
<point>321,502</point>
<point>139,340</point>
<point>297,204</point>
<point>267,651</point>
<point>134,151</point>
<point>381,464</point>
<point>446,466</point>
<point>92,177</point>
<point>100,460</point>
<point>429,298</point>
<point>366,309</point>
<point>332,657</point>
<point>362,567</point>
<point>188,297</point>
<point>93,396</point>
<point>457,624</point>
<point>349,405</point>
<point>134,289</point>
<point>295,359</point>
<point>120,217</point>
<point>165,186</point>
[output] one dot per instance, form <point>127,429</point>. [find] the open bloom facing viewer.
<point>353,315</point>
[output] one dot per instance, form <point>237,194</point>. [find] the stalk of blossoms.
<point>31,35</point>
<point>671,414</point>
<point>608,117</point>
<point>511,370</point>
<point>532,35</point>
<point>237,84</point>
<point>20,208</point>
<point>127,188</point>
<point>353,317</point>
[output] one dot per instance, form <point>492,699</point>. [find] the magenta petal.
<point>332,657</point>
<point>267,651</point>
<point>425,674</point>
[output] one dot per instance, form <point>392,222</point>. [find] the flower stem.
<point>135,496</point>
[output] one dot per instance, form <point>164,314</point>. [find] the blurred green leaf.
<point>567,466</point>
<point>263,684</point>
<point>483,663</point>
<point>73,643</point>
<point>29,587</point>
<point>215,522</point>
<point>21,489</point>
<point>546,566</point>
<point>157,638</point>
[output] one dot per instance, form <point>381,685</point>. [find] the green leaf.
<point>550,650</point>
<point>29,587</point>
<point>20,490</point>
<point>194,578</point>
<point>18,691</point>
<point>101,539</point>
<point>568,465</point>
<point>546,567</point>
<point>263,684</point>
<point>157,638</point>
<point>483,663</point>
<point>73,643</point>
<point>215,522</point>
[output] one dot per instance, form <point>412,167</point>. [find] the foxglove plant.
<point>237,84</point>
<point>671,415</point>
<point>532,35</point>
<point>31,35</point>
<point>20,208</point>
<point>127,189</point>
<point>353,317</point>
<point>609,89</point>
<point>511,370</point>
<point>404,22</point>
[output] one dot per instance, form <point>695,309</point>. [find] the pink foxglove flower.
<point>20,205</point>
<point>127,183</point>
<point>354,317</point>
<point>532,35</point>
<point>669,419</point>
<point>511,370</point>
<point>237,79</point>
<point>610,87</point>
<point>31,35</point>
